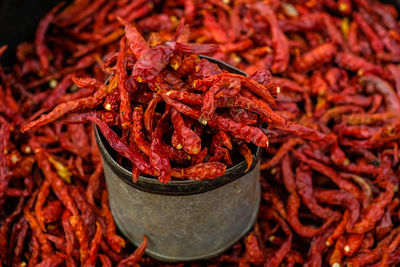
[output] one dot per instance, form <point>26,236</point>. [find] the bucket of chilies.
<point>180,138</point>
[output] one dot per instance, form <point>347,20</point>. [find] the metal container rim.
<point>173,187</point>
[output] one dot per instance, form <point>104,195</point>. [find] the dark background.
<point>18,21</point>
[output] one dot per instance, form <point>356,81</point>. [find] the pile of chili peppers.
<point>147,76</point>
<point>328,199</point>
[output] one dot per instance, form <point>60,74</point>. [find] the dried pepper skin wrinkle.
<point>188,139</point>
<point>280,43</point>
<point>375,211</point>
<point>157,160</point>
<point>293,204</point>
<point>332,133</point>
<point>140,67</point>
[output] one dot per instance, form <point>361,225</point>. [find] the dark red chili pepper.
<point>41,49</point>
<point>385,89</point>
<point>158,160</point>
<point>293,203</point>
<point>317,56</point>
<point>94,246</point>
<point>135,256</point>
<point>187,138</point>
<point>343,198</point>
<point>375,211</point>
<point>115,241</point>
<point>305,190</point>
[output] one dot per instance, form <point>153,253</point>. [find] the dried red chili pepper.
<point>339,197</point>
<point>293,204</point>
<point>283,150</point>
<point>200,171</point>
<point>94,246</point>
<point>158,161</point>
<point>187,138</point>
<point>247,154</point>
<point>375,211</point>
<point>343,184</point>
<point>317,56</point>
<point>65,108</point>
<point>305,190</point>
<point>115,241</point>
<point>353,244</point>
<point>255,255</point>
<point>46,249</point>
<point>52,211</point>
<point>375,41</point>
<point>41,48</point>
<point>366,135</point>
<point>136,255</point>
<point>385,89</point>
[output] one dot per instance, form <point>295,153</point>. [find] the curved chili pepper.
<point>343,184</point>
<point>94,246</point>
<point>284,249</point>
<point>283,150</point>
<point>279,41</point>
<point>158,161</point>
<point>41,49</point>
<point>189,140</point>
<point>255,254</point>
<point>375,41</point>
<point>136,255</point>
<point>317,56</point>
<point>46,249</point>
<point>115,241</point>
<point>247,154</point>
<point>305,190</point>
<point>385,89</point>
<point>340,197</point>
<point>293,204</point>
<point>375,211</point>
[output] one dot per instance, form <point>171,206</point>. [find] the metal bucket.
<point>184,220</point>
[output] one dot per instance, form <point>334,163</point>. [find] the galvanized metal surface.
<point>184,228</point>
<point>184,220</point>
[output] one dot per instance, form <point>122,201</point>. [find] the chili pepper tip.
<point>336,264</point>
<point>278,90</point>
